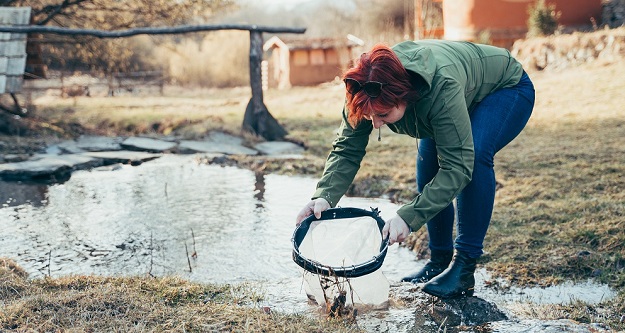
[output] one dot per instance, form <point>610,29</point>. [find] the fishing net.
<point>341,253</point>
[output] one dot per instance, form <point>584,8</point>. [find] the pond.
<point>205,223</point>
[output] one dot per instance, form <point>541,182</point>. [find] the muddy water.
<point>206,223</point>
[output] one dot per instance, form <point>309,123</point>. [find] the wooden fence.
<point>257,118</point>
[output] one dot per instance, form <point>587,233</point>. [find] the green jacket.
<point>458,76</point>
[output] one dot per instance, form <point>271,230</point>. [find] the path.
<point>86,152</point>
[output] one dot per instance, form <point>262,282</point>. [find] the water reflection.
<point>14,194</point>
<point>259,188</point>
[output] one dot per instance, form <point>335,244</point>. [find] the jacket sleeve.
<point>454,144</point>
<point>344,160</point>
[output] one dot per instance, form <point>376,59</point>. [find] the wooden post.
<point>256,57</point>
<point>257,118</point>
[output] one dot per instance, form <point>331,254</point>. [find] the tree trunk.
<point>257,118</point>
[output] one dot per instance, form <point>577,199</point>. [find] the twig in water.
<point>194,255</point>
<point>49,262</point>
<point>151,254</point>
<point>188,260</point>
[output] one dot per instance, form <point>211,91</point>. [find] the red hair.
<point>382,65</point>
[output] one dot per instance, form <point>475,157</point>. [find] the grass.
<point>139,304</point>
<point>559,212</point>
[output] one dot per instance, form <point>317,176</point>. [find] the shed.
<point>305,62</point>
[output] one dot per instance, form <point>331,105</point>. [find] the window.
<point>300,57</point>
<point>317,57</point>
<point>332,57</point>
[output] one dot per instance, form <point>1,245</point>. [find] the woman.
<point>463,102</point>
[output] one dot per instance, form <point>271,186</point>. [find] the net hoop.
<point>352,271</point>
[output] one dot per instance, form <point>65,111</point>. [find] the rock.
<point>190,147</point>
<point>221,137</point>
<point>61,159</point>
<point>86,143</point>
<point>125,157</point>
<point>65,147</point>
<point>99,143</point>
<point>465,311</point>
<point>12,158</point>
<point>112,167</point>
<point>147,144</point>
<point>51,167</point>
<point>279,148</point>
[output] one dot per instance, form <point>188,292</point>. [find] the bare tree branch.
<point>54,10</point>
<point>7,2</point>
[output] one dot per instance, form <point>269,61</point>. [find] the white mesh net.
<point>344,242</point>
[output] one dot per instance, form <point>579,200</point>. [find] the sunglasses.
<point>373,89</point>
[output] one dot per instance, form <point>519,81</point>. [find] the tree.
<point>542,20</point>
<point>110,55</point>
<point>104,55</point>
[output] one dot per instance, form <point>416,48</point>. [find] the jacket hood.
<point>417,59</point>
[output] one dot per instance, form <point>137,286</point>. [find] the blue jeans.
<point>495,121</point>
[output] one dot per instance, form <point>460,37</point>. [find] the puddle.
<point>151,218</point>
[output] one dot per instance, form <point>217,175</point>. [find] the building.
<point>501,21</point>
<point>306,61</point>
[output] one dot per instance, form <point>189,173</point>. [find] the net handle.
<point>352,271</point>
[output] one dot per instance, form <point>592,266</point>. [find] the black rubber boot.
<point>456,281</point>
<point>438,262</point>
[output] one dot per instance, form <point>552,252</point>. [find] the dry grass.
<point>560,212</point>
<point>139,304</point>
<point>609,312</point>
<point>215,60</point>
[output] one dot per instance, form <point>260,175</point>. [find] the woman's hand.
<point>396,229</point>
<point>315,206</point>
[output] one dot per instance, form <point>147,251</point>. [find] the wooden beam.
<point>147,30</point>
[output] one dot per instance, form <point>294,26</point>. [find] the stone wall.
<point>561,51</point>
<point>13,49</point>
